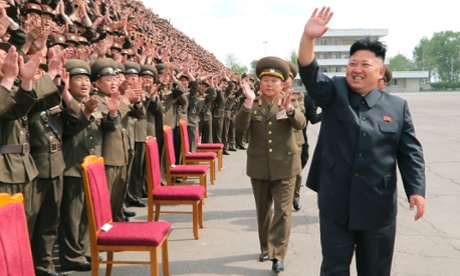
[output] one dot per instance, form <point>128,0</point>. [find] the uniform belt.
<point>51,147</point>
<point>10,149</point>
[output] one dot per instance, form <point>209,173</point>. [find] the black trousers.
<point>373,248</point>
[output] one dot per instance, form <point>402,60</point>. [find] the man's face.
<point>270,86</point>
<point>363,71</point>
<point>108,84</point>
<point>223,85</point>
<point>132,78</point>
<point>184,82</point>
<point>147,80</point>
<point>287,84</point>
<point>80,86</point>
<point>46,21</point>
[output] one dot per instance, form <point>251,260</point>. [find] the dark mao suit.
<point>353,170</point>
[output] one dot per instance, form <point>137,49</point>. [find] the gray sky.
<point>240,27</point>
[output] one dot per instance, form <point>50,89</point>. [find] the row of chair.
<point>108,236</point>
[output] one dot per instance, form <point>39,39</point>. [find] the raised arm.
<point>314,28</point>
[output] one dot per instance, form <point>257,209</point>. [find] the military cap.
<point>43,64</point>
<point>33,7</point>
<point>48,10</point>
<point>293,69</point>
<point>116,46</point>
<point>160,68</point>
<point>129,52</point>
<point>56,39</point>
<point>72,38</point>
<point>77,67</point>
<point>120,67</point>
<point>205,82</point>
<point>83,40</point>
<point>103,67</point>
<point>132,67</point>
<point>149,70</point>
<point>388,74</point>
<point>272,66</point>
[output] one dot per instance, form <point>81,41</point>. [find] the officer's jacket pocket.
<point>388,127</point>
<point>256,118</point>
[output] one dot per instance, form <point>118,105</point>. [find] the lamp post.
<point>265,44</point>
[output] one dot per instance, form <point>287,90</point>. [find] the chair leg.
<point>164,257</point>
<point>219,158</point>
<point>94,263</point>
<point>157,212</point>
<point>108,271</point>
<point>200,213</point>
<point>195,220</point>
<point>154,261</point>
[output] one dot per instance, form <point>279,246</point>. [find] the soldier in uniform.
<point>222,92</point>
<point>171,93</point>
<point>78,142</point>
<point>297,101</point>
<point>273,160</point>
<point>115,144</point>
<point>20,177</point>
<point>208,92</point>
<point>136,171</point>
<point>195,103</point>
<point>383,82</point>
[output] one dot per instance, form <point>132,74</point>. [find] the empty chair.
<point>170,195</point>
<point>106,235</point>
<point>189,157</point>
<point>218,148</point>
<point>185,171</point>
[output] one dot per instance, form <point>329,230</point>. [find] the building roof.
<point>356,32</point>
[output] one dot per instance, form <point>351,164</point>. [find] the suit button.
<point>269,123</point>
<point>356,174</point>
<point>364,134</point>
<point>91,138</point>
<point>269,132</point>
<point>270,150</point>
<point>363,118</point>
<point>360,154</point>
<point>269,141</point>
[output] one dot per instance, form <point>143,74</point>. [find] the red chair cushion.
<point>189,169</point>
<point>201,155</point>
<point>210,146</point>
<point>135,233</point>
<point>179,193</point>
<point>99,194</point>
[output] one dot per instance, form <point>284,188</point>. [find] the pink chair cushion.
<point>201,155</point>
<point>210,146</point>
<point>15,253</point>
<point>189,169</point>
<point>179,192</point>
<point>99,194</point>
<point>135,233</point>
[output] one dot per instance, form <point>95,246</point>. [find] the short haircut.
<point>375,46</point>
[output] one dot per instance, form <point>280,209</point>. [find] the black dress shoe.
<point>126,219</point>
<point>225,153</point>
<point>129,214</point>
<point>88,258</point>
<point>56,274</point>
<point>86,266</point>
<point>241,147</point>
<point>232,149</point>
<point>277,266</point>
<point>263,257</point>
<point>296,205</point>
<point>137,203</point>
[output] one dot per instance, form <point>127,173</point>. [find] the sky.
<point>252,29</point>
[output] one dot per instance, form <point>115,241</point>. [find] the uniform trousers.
<point>298,179</point>
<point>206,131</point>
<point>217,126</point>
<point>44,222</point>
<point>274,228</point>
<point>137,180</point>
<point>374,249</point>
<point>116,179</point>
<point>191,130</point>
<point>73,234</point>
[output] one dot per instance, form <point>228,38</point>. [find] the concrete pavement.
<point>228,243</point>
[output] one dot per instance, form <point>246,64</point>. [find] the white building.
<point>332,52</point>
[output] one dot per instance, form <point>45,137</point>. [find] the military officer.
<point>273,160</point>
<point>79,140</point>
<point>208,92</point>
<point>115,144</point>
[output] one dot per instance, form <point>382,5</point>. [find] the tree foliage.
<point>401,63</point>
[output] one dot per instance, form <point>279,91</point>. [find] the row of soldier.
<point>57,114</point>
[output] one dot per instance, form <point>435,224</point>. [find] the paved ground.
<point>228,244</point>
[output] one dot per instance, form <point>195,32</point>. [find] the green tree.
<point>442,54</point>
<point>232,63</point>
<point>401,63</point>
<point>293,57</point>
